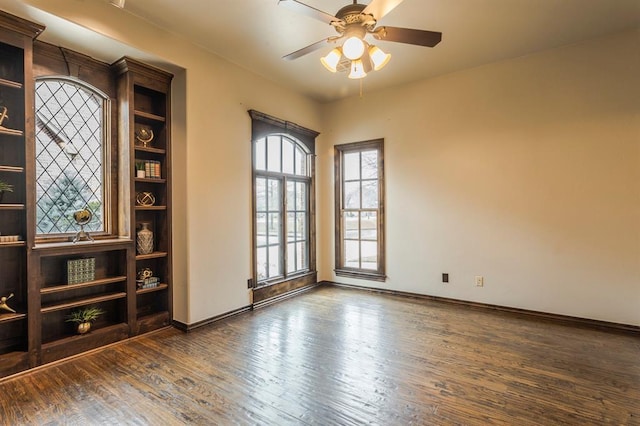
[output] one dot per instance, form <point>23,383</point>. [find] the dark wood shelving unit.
<point>36,271</point>
<point>16,151</point>
<point>144,94</point>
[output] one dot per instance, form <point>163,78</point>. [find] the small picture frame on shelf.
<point>81,270</point>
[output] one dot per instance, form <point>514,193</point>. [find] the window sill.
<point>284,280</point>
<point>83,245</point>
<point>361,275</point>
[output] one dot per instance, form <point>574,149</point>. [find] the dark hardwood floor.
<point>335,356</point>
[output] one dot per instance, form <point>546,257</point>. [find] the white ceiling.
<point>255,34</point>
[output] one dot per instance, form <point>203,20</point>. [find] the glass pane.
<point>273,154</point>
<point>274,261</point>
<point>291,258</point>
<point>351,229</point>
<point>301,256</point>
<point>70,134</point>
<point>351,254</point>
<point>261,229</point>
<point>370,194</point>
<point>261,154</point>
<point>261,263</point>
<point>301,162</point>
<point>273,228</point>
<point>369,255</point>
<point>287,156</point>
<point>291,226</point>
<point>273,195</point>
<point>370,165</point>
<point>301,196</point>
<point>352,166</point>
<point>369,226</point>
<point>352,195</point>
<point>261,194</point>
<point>301,226</point>
<point>291,196</point>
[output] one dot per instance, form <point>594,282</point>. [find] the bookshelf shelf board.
<point>82,247</point>
<point>10,83</point>
<point>151,207</point>
<point>150,180</point>
<point>11,317</point>
<point>11,206</point>
<point>149,116</point>
<point>154,255</point>
<point>10,132</point>
<point>150,149</point>
<point>11,169</point>
<point>160,287</point>
<point>67,287</point>
<point>82,302</point>
<point>13,244</point>
<point>71,345</point>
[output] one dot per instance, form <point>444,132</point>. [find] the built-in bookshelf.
<point>145,135</point>
<point>16,134</point>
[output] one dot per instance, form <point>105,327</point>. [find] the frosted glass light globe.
<point>353,48</point>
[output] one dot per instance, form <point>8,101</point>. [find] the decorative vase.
<point>144,241</point>
<point>84,327</point>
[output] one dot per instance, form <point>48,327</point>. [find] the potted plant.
<point>140,169</point>
<point>84,317</point>
<point>5,187</point>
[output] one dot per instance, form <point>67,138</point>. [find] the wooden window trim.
<point>340,269</point>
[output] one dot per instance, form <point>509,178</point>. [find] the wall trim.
<point>190,327</point>
<point>281,297</point>
<point>543,316</point>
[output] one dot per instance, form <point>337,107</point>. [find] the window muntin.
<point>282,183</point>
<point>71,154</point>
<point>359,210</point>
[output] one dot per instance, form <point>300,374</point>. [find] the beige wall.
<point>526,172</point>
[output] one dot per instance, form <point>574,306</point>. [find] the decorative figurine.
<point>3,303</point>
<point>82,217</point>
<point>144,136</point>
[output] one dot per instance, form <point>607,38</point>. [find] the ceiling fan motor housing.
<point>351,15</point>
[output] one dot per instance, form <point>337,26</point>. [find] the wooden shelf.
<point>10,83</point>
<point>82,247</point>
<point>8,317</point>
<point>82,302</point>
<point>160,287</point>
<point>11,132</point>
<point>149,116</point>
<point>154,255</point>
<point>11,206</point>
<point>151,208</point>
<point>150,180</point>
<point>150,149</point>
<point>70,345</point>
<point>13,244</point>
<point>94,283</point>
<point>11,169</point>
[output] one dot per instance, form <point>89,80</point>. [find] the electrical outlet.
<point>479,281</point>
<point>445,278</point>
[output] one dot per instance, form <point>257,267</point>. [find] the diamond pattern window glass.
<point>71,135</point>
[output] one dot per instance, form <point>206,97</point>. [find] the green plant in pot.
<point>5,187</point>
<point>84,317</point>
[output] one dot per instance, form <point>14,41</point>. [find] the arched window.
<point>71,139</point>
<point>282,183</point>
<point>283,206</point>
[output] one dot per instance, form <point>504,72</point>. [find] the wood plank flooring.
<point>335,356</point>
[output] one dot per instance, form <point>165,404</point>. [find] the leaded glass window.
<point>71,138</point>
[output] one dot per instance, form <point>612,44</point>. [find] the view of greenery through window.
<point>70,135</point>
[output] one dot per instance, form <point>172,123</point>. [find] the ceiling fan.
<point>353,23</point>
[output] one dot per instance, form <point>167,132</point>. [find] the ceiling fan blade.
<point>304,9</point>
<point>305,50</point>
<point>408,35</point>
<point>379,8</point>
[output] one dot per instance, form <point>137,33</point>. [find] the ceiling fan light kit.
<point>353,23</point>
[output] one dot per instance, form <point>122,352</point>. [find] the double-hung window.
<point>359,180</point>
